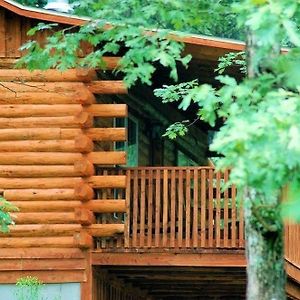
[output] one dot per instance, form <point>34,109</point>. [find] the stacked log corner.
<point>47,157</point>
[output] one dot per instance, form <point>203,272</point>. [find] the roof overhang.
<point>200,46</point>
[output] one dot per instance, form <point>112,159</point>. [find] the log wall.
<point>50,146</point>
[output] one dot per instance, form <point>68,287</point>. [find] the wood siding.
<point>48,155</point>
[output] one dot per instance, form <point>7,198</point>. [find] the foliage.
<point>28,288</point>
<point>5,217</point>
<point>36,3</point>
<point>129,21</point>
<point>260,138</point>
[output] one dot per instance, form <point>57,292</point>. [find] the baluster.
<point>180,207</point>
<point>203,208</point>
<point>157,208</point>
<point>173,209</point>
<point>188,209</point>
<point>150,208</point>
<point>195,210</point>
<point>165,207</point>
<point>142,209</point>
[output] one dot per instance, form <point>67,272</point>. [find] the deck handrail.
<point>162,212</point>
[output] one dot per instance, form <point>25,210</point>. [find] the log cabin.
<point>108,209</point>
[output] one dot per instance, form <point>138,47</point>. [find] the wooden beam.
<point>109,181</point>
<point>105,230</point>
<point>97,134</point>
<point>107,158</point>
<point>83,240</point>
<point>169,259</point>
<point>80,168</point>
<point>80,144</point>
<point>44,218</point>
<point>40,183</point>
<point>45,206</point>
<point>82,120</point>
<point>56,158</point>
<point>110,87</point>
<point>84,216</point>
<point>106,206</point>
<point>108,110</point>
<point>81,96</point>
<point>55,194</point>
<point>39,230</point>
<point>16,242</point>
<point>71,75</point>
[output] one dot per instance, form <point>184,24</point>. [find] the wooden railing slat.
<point>188,208</point>
<point>150,208</point>
<point>218,210</point>
<point>203,208</point>
<point>128,212</point>
<point>135,208</point>
<point>180,207</point>
<point>173,207</point>
<point>233,217</point>
<point>226,211</point>
<point>195,210</point>
<point>157,208</point>
<point>165,207</point>
<point>210,210</point>
<point>142,209</point>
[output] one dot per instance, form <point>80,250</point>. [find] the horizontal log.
<point>43,242</point>
<point>44,217</point>
<point>42,87</point>
<point>39,134</point>
<point>80,168</point>
<point>58,110</point>
<point>82,96</point>
<point>107,134</point>
<point>55,158</point>
<point>84,192</point>
<point>23,75</point>
<point>41,194</point>
<point>108,110</point>
<point>40,183</point>
<point>111,63</point>
<point>96,134</point>
<point>45,206</point>
<point>34,230</point>
<point>82,120</point>
<point>109,181</point>
<point>107,87</point>
<point>42,110</point>
<point>105,230</point>
<point>105,206</point>
<point>80,144</point>
<point>83,240</point>
<point>84,216</point>
<point>107,157</point>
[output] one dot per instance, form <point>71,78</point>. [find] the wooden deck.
<point>175,209</point>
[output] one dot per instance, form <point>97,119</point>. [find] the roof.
<point>63,18</point>
<point>42,14</point>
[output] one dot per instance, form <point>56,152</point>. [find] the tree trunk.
<point>263,224</point>
<point>264,251</point>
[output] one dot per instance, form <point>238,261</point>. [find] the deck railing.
<point>179,208</point>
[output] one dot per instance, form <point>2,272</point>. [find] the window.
<point>184,160</point>
<point>131,145</point>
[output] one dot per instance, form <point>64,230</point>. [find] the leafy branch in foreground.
<point>5,217</point>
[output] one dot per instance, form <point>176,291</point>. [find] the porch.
<point>177,209</point>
